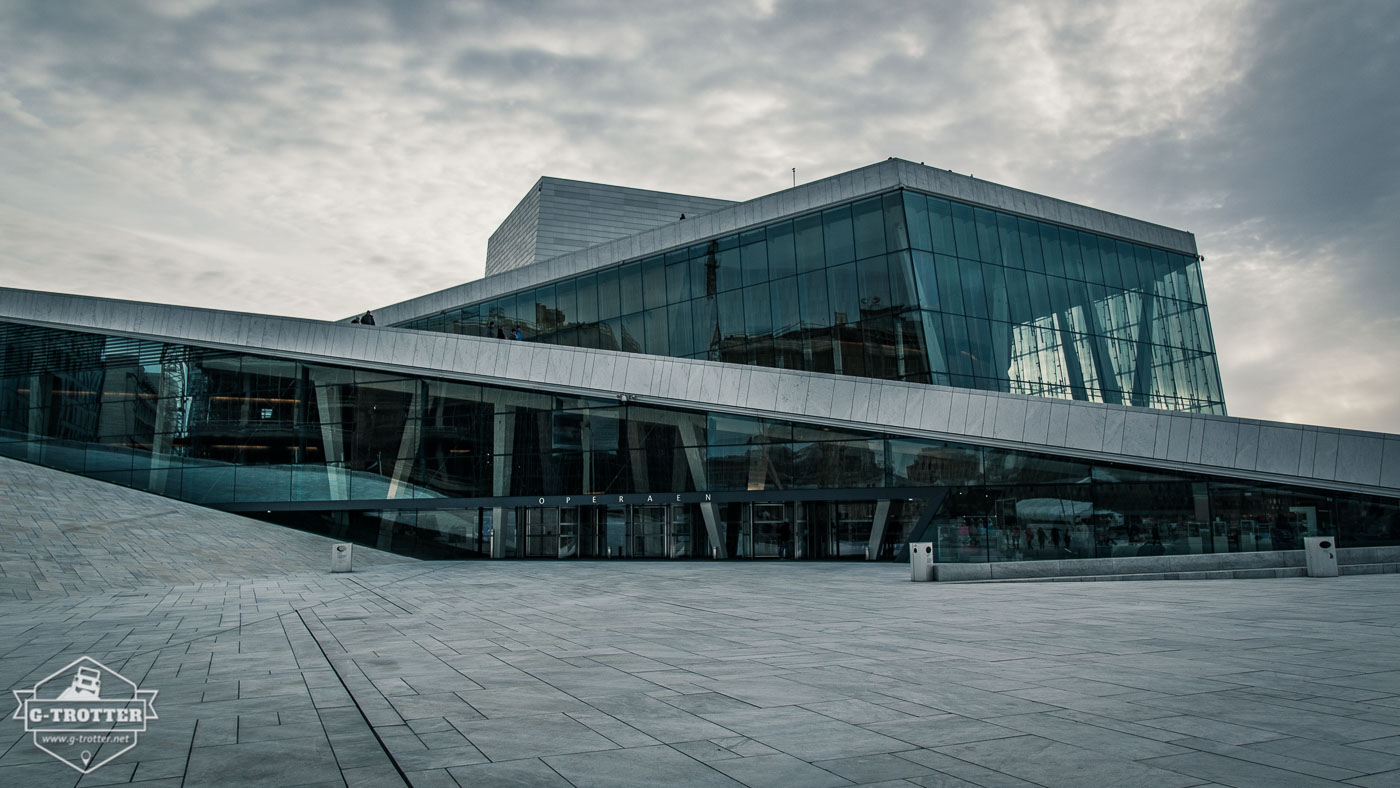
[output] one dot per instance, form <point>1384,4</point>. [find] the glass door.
<point>771,531</point>
<point>542,532</point>
<point>648,532</point>
<point>570,532</point>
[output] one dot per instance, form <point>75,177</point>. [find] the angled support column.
<point>410,444</point>
<point>328,406</point>
<point>695,458</point>
<point>168,390</point>
<point>1142,381</point>
<point>502,444</point>
<point>637,456</point>
<point>877,529</point>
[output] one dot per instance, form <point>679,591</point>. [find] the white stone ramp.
<point>62,534</point>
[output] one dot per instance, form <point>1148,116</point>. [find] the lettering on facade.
<point>623,499</point>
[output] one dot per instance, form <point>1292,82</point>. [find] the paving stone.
<point>642,767</point>
<point>780,771</point>
<point>527,773</point>
<point>509,673</point>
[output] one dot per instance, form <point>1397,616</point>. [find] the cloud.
<point>315,158</point>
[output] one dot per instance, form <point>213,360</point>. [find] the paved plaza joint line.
<point>274,672</point>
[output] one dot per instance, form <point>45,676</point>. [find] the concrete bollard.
<point>342,557</point>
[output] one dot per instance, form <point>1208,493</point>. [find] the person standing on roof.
<point>367,319</point>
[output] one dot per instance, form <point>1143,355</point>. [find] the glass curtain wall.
<point>435,459</point>
<point>901,286</point>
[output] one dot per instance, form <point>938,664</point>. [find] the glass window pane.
<point>782,255</point>
<point>916,209</point>
<point>609,306</point>
<point>787,316</point>
<point>836,229</point>
<point>1017,296</point>
<point>678,282</point>
<point>587,298</point>
<point>1089,248</point>
<point>1030,245</point>
<point>949,283</point>
<point>844,292</point>
<point>546,317</point>
<point>1108,255</point>
<point>1074,253</point>
<point>959,358</point>
<point>811,290</point>
<point>901,273</point>
<point>987,238</point>
<point>1146,275</point>
<point>1009,240</point>
<point>940,219</point>
<point>1059,294</point>
<point>926,279</point>
<point>566,295</point>
<point>753,258</point>
<point>1127,266</point>
<point>874,285</point>
<point>728,273</point>
<point>869,221</point>
<point>702,273</point>
<point>980,350</point>
<point>731,314</point>
<point>758,311</point>
<point>630,283</point>
<point>1050,246</point>
<point>1040,294</point>
<point>705,338</point>
<point>633,333</point>
<point>811,250</point>
<point>896,234</point>
<point>654,283</point>
<point>974,297</point>
<point>656,331</point>
<point>681,329</point>
<point>965,229</point>
<point>994,282</point>
<point>1194,281</point>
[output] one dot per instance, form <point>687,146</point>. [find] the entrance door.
<point>772,531</point>
<point>648,532</point>
<point>542,532</point>
<point>571,533</point>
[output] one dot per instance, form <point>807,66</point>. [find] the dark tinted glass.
<point>654,283</point>
<point>753,258</point>
<point>782,254</point>
<point>609,305</point>
<point>630,284</point>
<point>836,229</point>
<point>811,250</point>
<point>940,218</point>
<point>916,209</point>
<point>869,228</point>
<point>965,230</point>
<point>811,289</point>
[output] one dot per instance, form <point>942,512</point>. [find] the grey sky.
<point>315,158</point>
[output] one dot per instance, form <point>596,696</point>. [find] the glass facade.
<point>442,468</point>
<point>901,286</point>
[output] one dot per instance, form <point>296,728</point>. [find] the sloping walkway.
<point>62,534</point>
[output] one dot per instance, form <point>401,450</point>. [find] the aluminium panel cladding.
<point>871,179</point>
<point>513,243</point>
<point>1223,446</point>
<point>560,216</point>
